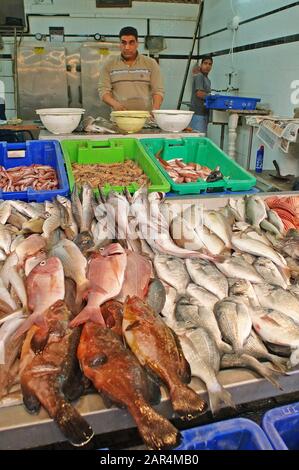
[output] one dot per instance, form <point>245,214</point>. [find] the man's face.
<point>206,66</point>
<point>128,47</point>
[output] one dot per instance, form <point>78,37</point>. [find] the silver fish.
<point>53,219</point>
<point>275,220</point>
<point>168,311</point>
<point>256,348</point>
<point>275,327</point>
<point>271,273</point>
<point>238,268</point>
<point>201,296</point>
<point>218,224</point>
<point>76,206</point>
<point>238,208</point>
<point>256,210</point>
<point>206,275</point>
<point>279,299</point>
<point>173,271</point>
<point>87,208</point>
<point>268,227</point>
<point>203,356</point>
<point>234,322</point>
<point>5,211</point>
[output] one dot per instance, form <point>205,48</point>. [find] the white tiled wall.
<point>266,73</point>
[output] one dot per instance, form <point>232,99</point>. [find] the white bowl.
<point>172,120</point>
<point>60,120</point>
<point>129,121</point>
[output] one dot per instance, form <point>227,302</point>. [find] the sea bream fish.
<point>157,347</point>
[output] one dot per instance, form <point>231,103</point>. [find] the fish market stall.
<point>237,384</point>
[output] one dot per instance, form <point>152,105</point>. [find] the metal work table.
<point>20,430</point>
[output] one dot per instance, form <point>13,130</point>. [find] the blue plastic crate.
<point>45,152</point>
<point>230,102</point>
<point>233,434</point>
<point>282,427</point>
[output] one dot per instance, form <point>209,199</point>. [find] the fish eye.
<point>42,263</point>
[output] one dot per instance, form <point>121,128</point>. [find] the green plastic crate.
<point>203,151</point>
<point>113,151</point>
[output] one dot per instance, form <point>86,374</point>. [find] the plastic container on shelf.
<point>203,151</point>
<point>231,102</point>
<point>259,159</point>
<point>44,152</point>
<point>233,434</point>
<point>113,151</point>
<point>282,427</point>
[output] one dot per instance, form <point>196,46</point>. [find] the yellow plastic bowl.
<point>129,121</point>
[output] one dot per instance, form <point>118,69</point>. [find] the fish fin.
<point>133,325</point>
<point>156,431</point>
<point>93,314</point>
<point>225,347</point>
<point>82,291</point>
<point>154,389</point>
<point>185,402</point>
<point>31,402</point>
<point>72,425</point>
<point>183,370</point>
<point>217,395</point>
<point>33,319</point>
<point>265,371</point>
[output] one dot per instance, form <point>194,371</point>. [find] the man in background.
<point>131,81</point>
<point>201,87</point>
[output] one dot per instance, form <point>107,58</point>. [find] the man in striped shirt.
<point>131,81</point>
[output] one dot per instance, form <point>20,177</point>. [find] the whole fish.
<point>156,295</point>
<point>45,286</point>
<point>218,224</point>
<point>205,275</point>
<point>173,271</point>
<point>141,328</point>
<point>203,356</point>
<point>137,276</point>
<point>275,220</point>
<point>5,211</point>
<point>256,210</point>
<point>46,374</point>
<point>278,299</point>
<point>275,327</point>
<point>106,273</point>
<point>234,322</point>
<point>115,371</point>
<point>29,247</point>
<point>271,273</point>
<point>201,296</point>
<point>87,207</point>
<point>268,227</point>
<point>242,291</point>
<point>256,348</point>
<point>238,268</point>
<point>238,208</point>
<point>71,228</point>
<point>53,219</point>
<point>168,311</point>
<point>77,207</point>
<point>74,266</point>
<point>243,243</point>
<point>154,228</point>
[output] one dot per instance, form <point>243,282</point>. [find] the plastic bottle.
<point>259,159</point>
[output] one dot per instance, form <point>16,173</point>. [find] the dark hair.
<point>128,31</point>
<point>207,57</point>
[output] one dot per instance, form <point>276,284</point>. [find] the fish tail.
<point>265,371</point>
<point>72,425</point>
<point>81,291</point>
<point>224,347</point>
<point>93,314</point>
<point>185,402</point>
<point>218,394</point>
<point>156,431</point>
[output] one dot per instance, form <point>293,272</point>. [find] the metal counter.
<point>20,430</point>
<point>145,133</point>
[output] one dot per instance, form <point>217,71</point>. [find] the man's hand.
<point>119,107</point>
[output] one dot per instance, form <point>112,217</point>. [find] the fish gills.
<point>156,346</point>
<point>101,354</point>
